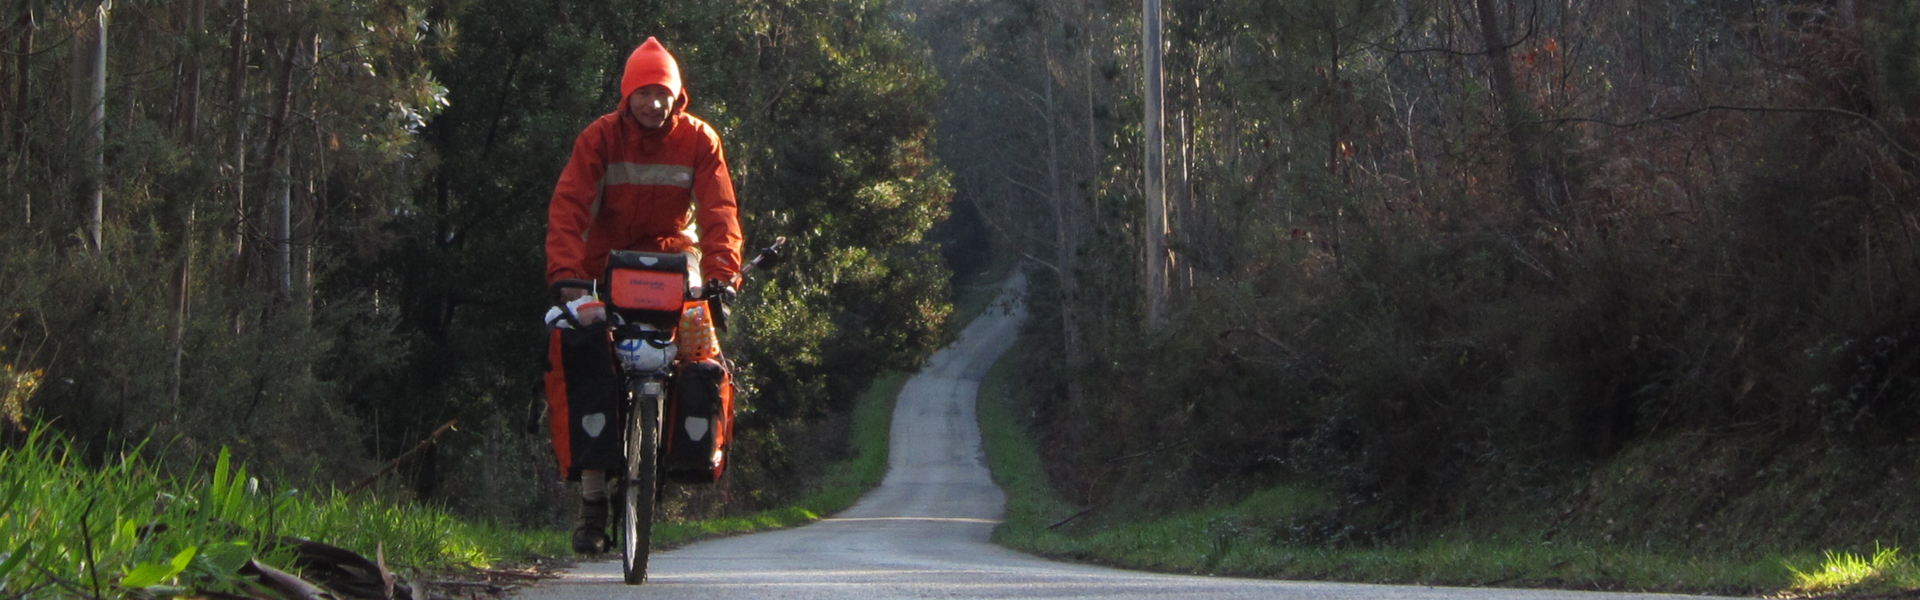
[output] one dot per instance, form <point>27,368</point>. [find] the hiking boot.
<point>590,537</point>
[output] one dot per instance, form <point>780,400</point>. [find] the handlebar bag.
<point>700,417</point>
<point>584,395</point>
<point>647,287</point>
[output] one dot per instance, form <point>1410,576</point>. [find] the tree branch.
<point>1263,336</point>
<point>1048,265</point>
<point>1816,110</point>
<point>1531,30</point>
<point>1022,185</point>
<point>1070,518</point>
<point>432,439</point>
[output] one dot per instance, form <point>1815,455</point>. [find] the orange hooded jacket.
<point>630,188</point>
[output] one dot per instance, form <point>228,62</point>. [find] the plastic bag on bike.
<point>696,337</point>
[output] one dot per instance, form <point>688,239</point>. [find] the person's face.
<point>649,105</point>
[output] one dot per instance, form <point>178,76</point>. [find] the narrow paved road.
<point>924,532</point>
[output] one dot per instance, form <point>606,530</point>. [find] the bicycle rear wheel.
<point>638,485</point>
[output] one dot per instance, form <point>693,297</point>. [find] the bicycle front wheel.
<point>638,486</point>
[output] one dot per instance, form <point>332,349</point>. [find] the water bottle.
<point>588,310</point>
<point>640,356</point>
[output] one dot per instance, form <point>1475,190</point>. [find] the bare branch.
<point>55,580</point>
<point>1083,512</point>
<point>1048,265</point>
<point>1531,30</point>
<point>1816,110</point>
<point>432,439</point>
<point>1263,336</point>
<point>1023,185</point>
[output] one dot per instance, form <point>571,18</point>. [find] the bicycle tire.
<point>638,485</point>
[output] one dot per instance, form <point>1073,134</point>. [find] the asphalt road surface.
<point>924,532</point>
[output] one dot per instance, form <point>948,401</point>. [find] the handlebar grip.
<point>767,258</point>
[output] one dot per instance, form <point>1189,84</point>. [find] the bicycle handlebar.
<point>725,294</point>
<point>766,259</point>
<point>578,284</point>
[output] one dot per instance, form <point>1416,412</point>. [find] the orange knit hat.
<point>650,64</point>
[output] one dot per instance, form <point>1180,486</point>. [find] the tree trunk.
<point>95,102</point>
<point>1063,248</point>
<point>182,297</point>
<point>1187,221</point>
<point>282,227</point>
<point>236,104</point>
<point>187,114</point>
<point>23,88</point>
<point>307,223</point>
<point>1155,229</point>
<point>1336,104</point>
<point>1189,208</point>
<point>16,139</point>
<point>182,301</point>
<point>280,169</point>
<point>1530,180</point>
<point>7,112</point>
<point>1093,127</point>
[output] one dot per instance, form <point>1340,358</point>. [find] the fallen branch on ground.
<point>432,439</point>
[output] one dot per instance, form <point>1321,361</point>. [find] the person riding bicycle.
<point>636,179</point>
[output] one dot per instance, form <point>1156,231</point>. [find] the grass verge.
<point>1249,538</point>
<point>122,530</point>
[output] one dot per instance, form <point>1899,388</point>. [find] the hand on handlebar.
<point>720,297</point>
<point>720,290</point>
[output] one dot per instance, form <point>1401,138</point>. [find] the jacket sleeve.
<point>718,216</point>
<point>570,212</point>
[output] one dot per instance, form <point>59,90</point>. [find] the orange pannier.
<point>647,287</point>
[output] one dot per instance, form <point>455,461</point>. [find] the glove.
<point>720,297</point>
<point>721,290</point>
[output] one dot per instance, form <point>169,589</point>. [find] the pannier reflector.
<point>634,289</point>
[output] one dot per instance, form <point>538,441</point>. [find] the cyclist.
<point>649,177</point>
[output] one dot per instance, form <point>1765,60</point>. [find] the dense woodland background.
<point>323,223</point>
<point>1627,271</point>
<point>1639,272</point>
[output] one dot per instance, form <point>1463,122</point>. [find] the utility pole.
<point>1156,176</point>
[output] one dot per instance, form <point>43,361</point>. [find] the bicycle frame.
<point>645,350</point>
<point>647,358</point>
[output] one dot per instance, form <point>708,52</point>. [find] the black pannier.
<point>584,399</point>
<point>699,422</point>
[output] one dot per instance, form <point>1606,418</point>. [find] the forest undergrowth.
<point>1626,285</point>
<point>1282,530</point>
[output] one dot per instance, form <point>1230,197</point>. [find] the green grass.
<point>68,529</point>
<point>1251,538</point>
<point>843,484</point>
<point>1884,571</point>
<point>123,530</point>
